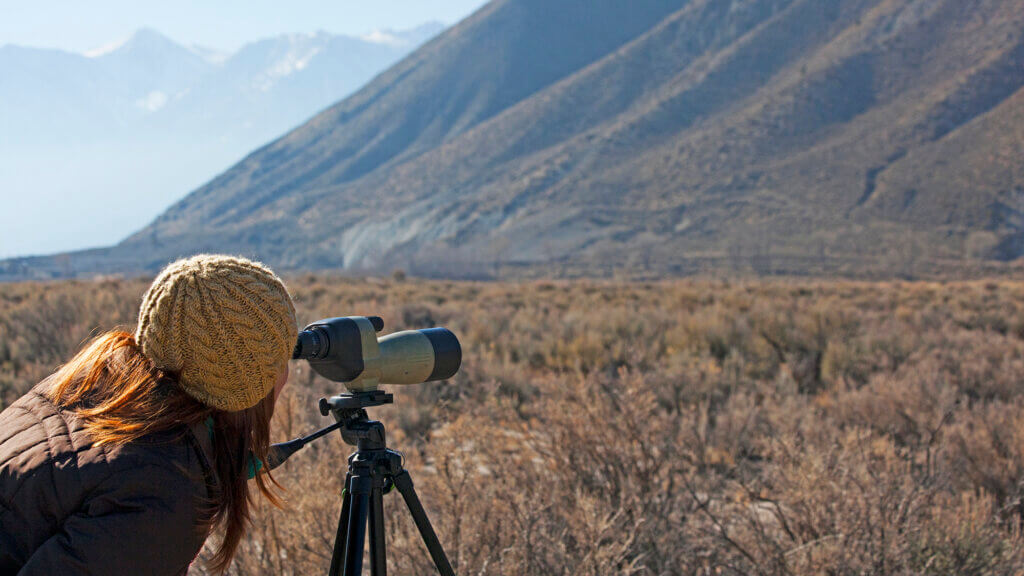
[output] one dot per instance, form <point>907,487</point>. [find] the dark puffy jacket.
<point>68,507</point>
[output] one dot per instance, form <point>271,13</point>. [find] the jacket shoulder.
<point>36,438</point>
<point>39,452</point>
<point>50,469</point>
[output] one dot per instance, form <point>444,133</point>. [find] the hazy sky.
<point>222,24</point>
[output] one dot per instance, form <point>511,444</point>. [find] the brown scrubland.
<point>677,427</point>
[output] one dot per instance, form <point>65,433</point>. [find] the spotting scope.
<point>347,350</point>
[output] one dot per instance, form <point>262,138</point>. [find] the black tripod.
<point>373,470</point>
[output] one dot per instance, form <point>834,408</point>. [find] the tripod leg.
<point>378,557</point>
<point>404,484</point>
<point>360,497</point>
<point>338,556</point>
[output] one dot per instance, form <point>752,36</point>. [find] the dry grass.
<point>684,427</point>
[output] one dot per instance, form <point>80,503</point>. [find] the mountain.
<point>150,68</point>
<point>133,127</point>
<point>864,137</point>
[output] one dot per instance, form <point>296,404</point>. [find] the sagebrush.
<point>679,427</point>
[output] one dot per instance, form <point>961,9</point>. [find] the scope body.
<point>346,349</point>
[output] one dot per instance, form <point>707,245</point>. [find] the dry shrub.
<point>680,427</point>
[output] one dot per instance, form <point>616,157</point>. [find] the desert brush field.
<point>777,427</point>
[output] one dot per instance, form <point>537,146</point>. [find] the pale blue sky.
<point>222,24</point>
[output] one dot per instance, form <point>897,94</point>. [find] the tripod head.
<point>349,411</point>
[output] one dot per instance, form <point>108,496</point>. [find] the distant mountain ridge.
<point>649,137</point>
<point>138,124</point>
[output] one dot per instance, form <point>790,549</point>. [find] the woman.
<point>132,453</point>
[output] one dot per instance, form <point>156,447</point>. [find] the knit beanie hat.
<point>225,325</point>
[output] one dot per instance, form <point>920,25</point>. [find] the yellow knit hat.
<point>225,325</point>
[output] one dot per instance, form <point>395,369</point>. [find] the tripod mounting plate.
<point>354,401</point>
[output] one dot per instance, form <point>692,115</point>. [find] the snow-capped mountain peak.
<point>105,48</point>
<point>211,55</point>
<point>383,37</point>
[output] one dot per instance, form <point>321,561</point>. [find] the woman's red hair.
<point>121,396</point>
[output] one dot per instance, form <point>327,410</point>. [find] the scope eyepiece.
<point>309,345</point>
<point>315,342</point>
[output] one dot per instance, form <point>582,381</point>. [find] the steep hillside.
<point>780,136</point>
<point>505,53</point>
